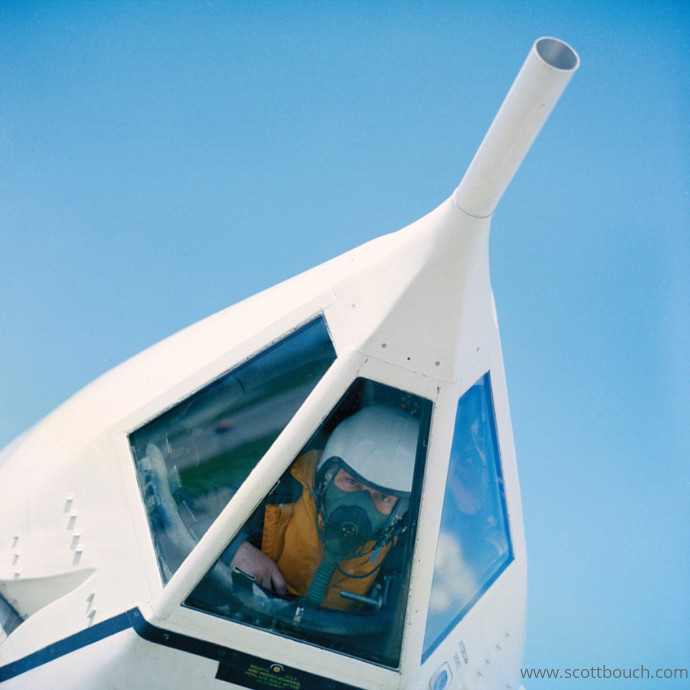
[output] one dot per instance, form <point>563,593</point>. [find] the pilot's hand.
<point>258,565</point>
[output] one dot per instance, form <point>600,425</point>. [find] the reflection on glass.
<point>326,556</point>
<point>191,460</point>
<point>473,543</point>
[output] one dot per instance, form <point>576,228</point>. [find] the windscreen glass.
<point>474,542</point>
<point>326,556</point>
<point>191,460</point>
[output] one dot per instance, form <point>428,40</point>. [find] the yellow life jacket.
<point>291,539</point>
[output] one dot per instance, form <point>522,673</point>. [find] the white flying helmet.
<point>380,444</point>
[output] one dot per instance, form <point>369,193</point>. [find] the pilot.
<point>329,540</point>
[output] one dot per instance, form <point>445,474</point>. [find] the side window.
<point>473,542</point>
<point>326,556</point>
<point>191,459</point>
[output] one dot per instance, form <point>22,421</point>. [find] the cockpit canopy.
<point>341,594</point>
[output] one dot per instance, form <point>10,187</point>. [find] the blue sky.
<point>160,161</point>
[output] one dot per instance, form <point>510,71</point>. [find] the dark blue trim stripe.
<point>83,638</point>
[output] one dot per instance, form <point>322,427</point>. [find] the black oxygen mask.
<point>350,520</point>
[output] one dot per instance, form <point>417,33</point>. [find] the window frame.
<point>426,408</point>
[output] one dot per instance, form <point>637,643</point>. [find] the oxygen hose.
<point>322,576</point>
